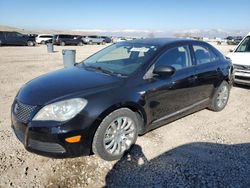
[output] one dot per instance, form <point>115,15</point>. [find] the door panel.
<point>166,96</point>
<point>206,71</point>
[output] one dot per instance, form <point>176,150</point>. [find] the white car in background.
<point>42,39</point>
<point>241,60</point>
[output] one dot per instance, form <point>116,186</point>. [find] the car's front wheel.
<point>220,97</point>
<point>116,134</point>
<point>62,43</point>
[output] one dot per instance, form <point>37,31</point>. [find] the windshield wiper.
<point>100,69</point>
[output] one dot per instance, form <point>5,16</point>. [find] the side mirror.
<point>164,70</point>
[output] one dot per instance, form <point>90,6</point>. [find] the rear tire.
<point>220,97</point>
<point>90,42</point>
<point>30,43</point>
<point>116,134</point>
<point>43,42</point>
<point>103,42</point>
<point>80,44</point>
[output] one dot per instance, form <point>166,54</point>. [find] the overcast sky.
<point>130,14</point>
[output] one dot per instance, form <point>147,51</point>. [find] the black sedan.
<point>102,104</point>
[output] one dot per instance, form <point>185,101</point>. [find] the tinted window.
<point>178,58</point>
<point>204,55</point>
<point>45,36</point>
<point>244,46</point>
<point>64,36</point>
<point>11,34</point>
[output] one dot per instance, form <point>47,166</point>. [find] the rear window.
<point>45,36</point>
<point>204,55</point>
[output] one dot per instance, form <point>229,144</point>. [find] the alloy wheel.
<point>119,135</point>
<point>222,96</point>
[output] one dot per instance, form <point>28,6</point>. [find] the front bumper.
<point>48,138</point>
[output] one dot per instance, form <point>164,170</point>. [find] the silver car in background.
<point>93,39</point>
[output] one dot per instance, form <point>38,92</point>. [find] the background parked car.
<point>107,39</point>
<point>67,40</point>
<point>93,39</point>
<point>43,38</point>
<point>15,38</point>
<point>240,58</point>
<point>231,40</point>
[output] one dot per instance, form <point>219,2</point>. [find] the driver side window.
<point>178,57</point>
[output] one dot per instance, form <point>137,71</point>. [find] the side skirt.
<point>179,114</point>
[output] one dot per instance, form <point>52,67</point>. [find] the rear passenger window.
<point>178,57</point>
<point>204,55</point>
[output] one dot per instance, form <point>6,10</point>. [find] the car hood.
<point>67,82</point>
<point>240,58</point>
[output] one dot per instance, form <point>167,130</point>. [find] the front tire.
<point>220,97</point>
<point>62,43</point>
<point>116,134</point>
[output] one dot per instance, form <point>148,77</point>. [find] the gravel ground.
<point>205,149</point>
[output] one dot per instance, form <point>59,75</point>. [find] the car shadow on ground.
<point>190,165</point>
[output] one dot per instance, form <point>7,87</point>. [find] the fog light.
<point>73,139</point>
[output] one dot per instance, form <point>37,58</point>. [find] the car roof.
<point>159,41</point>
<point>248,34</point>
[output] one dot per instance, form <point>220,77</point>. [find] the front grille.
<point>46,146</point>
<point>242,67</point>
<point>23,111</point>
<point>242,78</point>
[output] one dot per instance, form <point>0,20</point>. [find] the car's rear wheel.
<point>62,43</point>
<point>220,97</point>
<point>90,42</point>
<point>103,42</point>
<point>80,43</point>
<point>43,42</point>
<point>116,134</point>
<point>30,43</point>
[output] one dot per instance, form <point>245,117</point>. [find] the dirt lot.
<point>203,149</point>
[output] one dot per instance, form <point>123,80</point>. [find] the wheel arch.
<point>140,112</point>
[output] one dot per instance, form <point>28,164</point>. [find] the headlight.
<point>62,110</point>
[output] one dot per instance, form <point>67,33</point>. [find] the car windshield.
<point>244,46</point>
<point>120,58</point>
